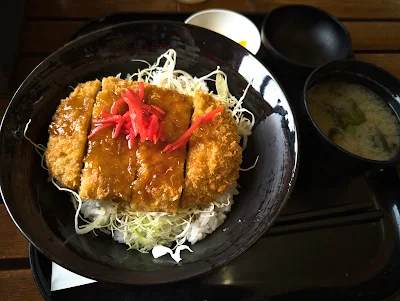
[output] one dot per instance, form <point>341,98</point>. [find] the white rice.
<point>112,218</point>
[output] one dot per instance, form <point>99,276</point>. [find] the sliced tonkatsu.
<point>109,165</point>
<point>160,176</point>
<point>150,179</point>
<point>68,134</point>
<point>214,154</point>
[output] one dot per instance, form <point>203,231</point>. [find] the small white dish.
<point>229,24</point>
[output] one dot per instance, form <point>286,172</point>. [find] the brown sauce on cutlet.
<point>116,182</point>
<point>70,118</point>
<point>109,165</point>
<point>160,176</point>
<point>68,134</point>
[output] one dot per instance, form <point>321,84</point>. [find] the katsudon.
<point>147,163</point>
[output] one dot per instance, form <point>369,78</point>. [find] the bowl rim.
<point>309,7</point>
<point>229,12</point>
<point>326,139</point>
<point>138,280</point>
<point>216,10</point>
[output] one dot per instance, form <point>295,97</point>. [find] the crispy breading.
<point>147,178</point>
<point>109,165</point>
<point>160,176</point>
<point>68,134</point>
<point>214,155</point>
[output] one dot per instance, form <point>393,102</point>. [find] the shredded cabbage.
<point>39,148</point>
<point>144,231</point>
<point>165,75</point>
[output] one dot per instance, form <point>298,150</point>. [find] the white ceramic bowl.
<point>230,24</point>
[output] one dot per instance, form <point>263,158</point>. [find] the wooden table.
<point>374,27</point>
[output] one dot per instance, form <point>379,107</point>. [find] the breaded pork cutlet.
<point>109,165</point>
<point>160,176</point>
<point>68,134</point>
<point>214,154</point>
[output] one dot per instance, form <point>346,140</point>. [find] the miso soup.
<point>355,119</point>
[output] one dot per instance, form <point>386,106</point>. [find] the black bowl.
<point>305,36</point>
<point>375,79</point>
<point>45,215</point>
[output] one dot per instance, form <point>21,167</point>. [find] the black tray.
<point>337,239</point>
